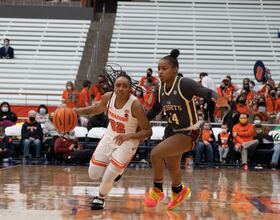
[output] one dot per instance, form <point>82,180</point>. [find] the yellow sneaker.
<point>153,198</point>
<point>177,199</point>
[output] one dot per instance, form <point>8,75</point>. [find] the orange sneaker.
<point>154,197</point>
<point>177,199</point>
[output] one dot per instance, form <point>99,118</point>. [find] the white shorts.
<point>119,155</point>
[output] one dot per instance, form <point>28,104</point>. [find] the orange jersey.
<point>224,138</point>
<point>277,105</point>
<point>71,98</point>
<point>84,99</point>
<point>244,133</point>
<point>96,93</point>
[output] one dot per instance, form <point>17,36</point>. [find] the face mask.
<point>224,130</point>
<point>226,83</point>
<point>32,119</point>
<point>262,108</point>
<point>138,93</point>
<point>42,111</point>
<point>243,121</point>
<point>69,87</point>
<point>272,95</point>
<point>257,122</point>
<point>5,109</point>
<point>222,86</point>
<point>149,74</point>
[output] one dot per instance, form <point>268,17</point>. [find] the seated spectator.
<point>259,128</point>
<point>243,134</point>
<point>31,134</point>
<point>84,99</point>
<point>7,117</point>
<point>241,105</point>
<point>206,141</point>
<point>70,96</point>
<point>42,115</point>
<point>149,80</point>
<point>260,108</point>
<point>98,89</point>
<point>6,52</point>
<point>67,149</point>
<point>277,103</point>
<point>50,135</point>
<point>6,146</point>
<point>224,141</point>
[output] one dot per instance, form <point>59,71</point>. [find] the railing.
<point>41,3</point>
<point>94,56</point>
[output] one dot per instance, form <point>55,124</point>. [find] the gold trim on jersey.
<point>172,87</point>
<point>187,102</point>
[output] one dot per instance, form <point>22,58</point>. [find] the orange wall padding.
<point>22,110</point>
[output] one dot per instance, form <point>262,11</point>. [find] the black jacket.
<point>11,116</point>
<point>8,55</point>
<point>33,130</point>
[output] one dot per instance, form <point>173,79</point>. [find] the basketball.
<point>65,119</point>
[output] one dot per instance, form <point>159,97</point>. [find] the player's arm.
<point>97,107</point>
<point>156,108</point>
<point>191,88</point>
<point>144,127</point>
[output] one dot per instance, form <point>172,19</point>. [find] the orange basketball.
<point>65,119</point>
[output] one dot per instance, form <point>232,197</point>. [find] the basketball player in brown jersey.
<point>175,98</point>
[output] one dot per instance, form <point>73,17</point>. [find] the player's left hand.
<point>120,139</point>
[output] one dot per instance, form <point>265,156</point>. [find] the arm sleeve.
<point>156,108</point>
<point>191,88</point>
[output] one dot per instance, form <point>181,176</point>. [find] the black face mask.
<point>246,87</point>
<point>32,119</point>
<point>272,95</point>
<point>226,83</point>
<point>149,75</point>
<point>222,87</point>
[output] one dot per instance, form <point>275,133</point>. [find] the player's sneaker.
<point>97,203</point>
<point>177,199</point>
<point>153,198</point>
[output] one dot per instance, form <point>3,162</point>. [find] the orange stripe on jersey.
<point>98,163</point>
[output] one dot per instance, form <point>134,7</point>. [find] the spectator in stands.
<point>209,83</point>
<point>139,93</point>
<point>7,117</point>
<point>231,118</point>
<point>260,107</point>
<point>241,105</point>
<point>270,102</point>
<point>259,128</point>
<point>42,115</point>
<point>6,146</point>
<point>206,141</point>
<point>98,89</point>
<point>277,102</point>
<point>149,80</point>
<point>243,134</point>
<point>6,52</point>
<point>31,134</point>
<point>224,142</point>
<point>231,87</point>
<point>84,99</point>
<point>50,135</point>
<point>70,95</point>
<point>249,95</point>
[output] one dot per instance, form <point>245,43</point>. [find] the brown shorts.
<point>194,134</point>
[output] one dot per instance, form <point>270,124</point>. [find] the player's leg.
<point>172,146</point>
<point>179,190</point>
<point>119,160</point>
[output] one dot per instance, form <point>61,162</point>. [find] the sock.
<point>177,189</point>
<point>158,185</point>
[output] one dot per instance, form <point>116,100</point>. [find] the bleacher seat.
<point>219,37</point>
<point>47,54</point>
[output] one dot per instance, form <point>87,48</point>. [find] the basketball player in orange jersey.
<point>119,143</point>
<point>176,98</point>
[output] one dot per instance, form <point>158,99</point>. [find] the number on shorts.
<point>117,126</point>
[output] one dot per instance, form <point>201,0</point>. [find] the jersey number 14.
<point>173,118</point>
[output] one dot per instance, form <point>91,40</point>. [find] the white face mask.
<point>5,109</point>
<point>262,108</point>
<point>69,87</point>
<point>224,130</point>
<point>257,122</point>
<point>42,111</point>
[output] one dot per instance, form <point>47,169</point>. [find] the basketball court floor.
<point>58,192</point>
